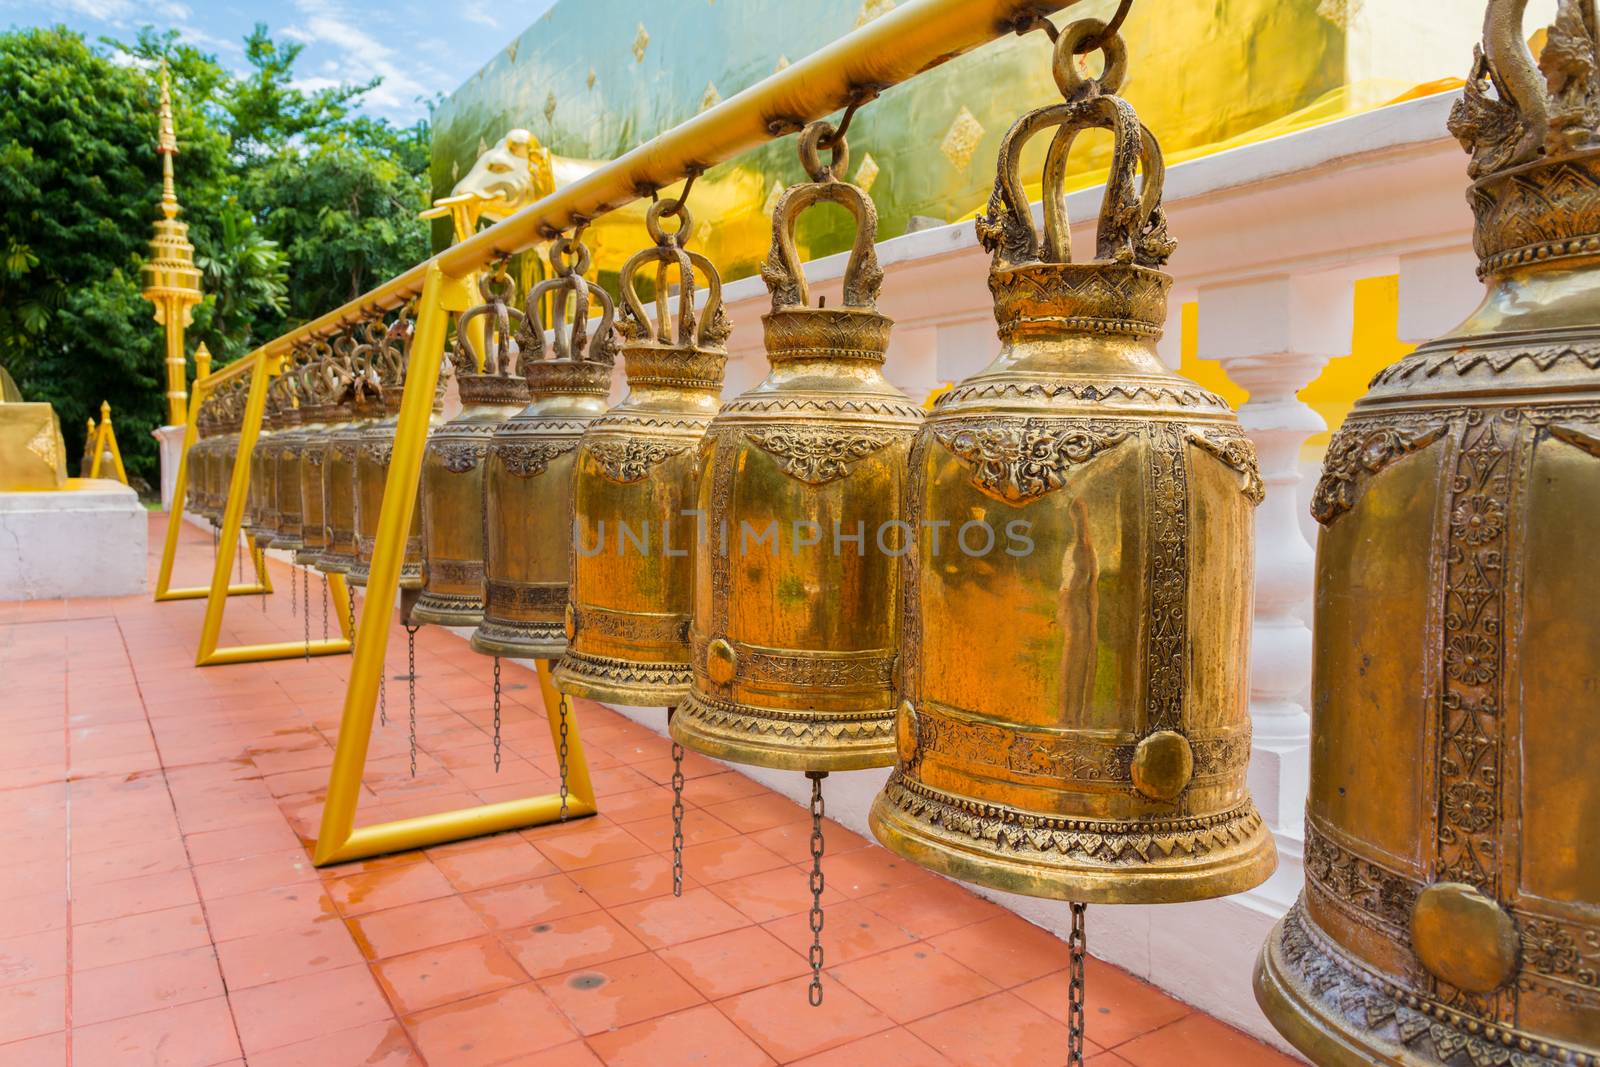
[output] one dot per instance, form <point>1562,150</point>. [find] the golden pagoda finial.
<point>171,280</point>
<point>167,147</point>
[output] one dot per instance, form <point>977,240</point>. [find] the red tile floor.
<point>158,906</point>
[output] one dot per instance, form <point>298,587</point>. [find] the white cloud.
<point>360,57</point>
<point>476,11</point>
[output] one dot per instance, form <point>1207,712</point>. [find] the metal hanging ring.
<point>813,139</point>
<point>661,209</point>
<point>565,247</point>
<point>1080,38</point>
<point>499,286</point>
<point>1112,29</point>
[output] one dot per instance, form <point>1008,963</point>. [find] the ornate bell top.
<point>795,331</point>
<point>1530,127</point>
<point>318,385</point>
<point>581,364</point>
<point>1533,134</point>
<point>1039,292</point>
<point>675,352</point>
<point>490,377</point>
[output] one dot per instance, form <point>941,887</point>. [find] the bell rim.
<point>1239,869</point>
<point>689,732</point>
<point>519,640</point>
<point>574,676</point>
<point>1320,1029</point>
<point>446,609</point>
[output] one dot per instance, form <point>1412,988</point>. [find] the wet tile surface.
<point>159,905</point>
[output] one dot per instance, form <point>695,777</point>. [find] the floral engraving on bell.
<point>1231,446</point>
<point>817,456</point>
<point>459,457</point>
<point>1021,460</point>
<point>527,460</point>
<point>1363,447</point>
<point>630,460</point>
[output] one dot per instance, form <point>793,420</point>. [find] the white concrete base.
<point>170,438</point>
<point>73,542</point>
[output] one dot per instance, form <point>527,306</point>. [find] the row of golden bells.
<point>797,572</point>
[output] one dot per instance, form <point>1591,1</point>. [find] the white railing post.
<point>1273,336</point>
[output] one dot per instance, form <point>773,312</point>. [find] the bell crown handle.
<point>1132,225</point>
<point>685,329</point>
<point>570,342</point>
<point>782,272</point>
<point>501,350</point>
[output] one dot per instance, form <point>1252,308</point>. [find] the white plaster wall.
<point>71,543</point>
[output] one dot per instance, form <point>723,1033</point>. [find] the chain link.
<point>411,685</point>
<point>383,694</point>
<point>305,616</point>
<point>324,610</point>
<point>818,810</point>
<point>1078,946</point>
<point>677,813</point>
<point>294,591</point>
<point>497,715</point>
<point>561,752</point>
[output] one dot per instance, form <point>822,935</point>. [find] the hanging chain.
<point>497,715</point>
<point>818,810</point>
<point>324,608</point>
<point>561,752</point>
<point>411,685</point>
<point>305,595</point>
<point>216,543</point>
<point>677,813</point>
<point>1078,946</point>
<point>383,693</point>
<point>294,608</point>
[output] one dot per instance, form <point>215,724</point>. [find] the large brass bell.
<point>528,478</point>
<point>365,406</point>
<point>1451,909</point>
<point>491,390</point>
<point>1094,747</point>
<point>260,515</point>
<point>198,473</point>
<point>323,414</point>
<point>390,361</point>
<point>794,630</point>
<point>634,526</point>
<point>291,444</point>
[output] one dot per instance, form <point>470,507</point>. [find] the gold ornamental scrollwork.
<point>525,460</point>
<point>1362,448</point>
<point>1021,460</point>
<point>1232,447</point>
<point>632,459</point>
<point>817,456</point>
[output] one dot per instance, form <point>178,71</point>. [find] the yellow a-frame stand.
<point>260,367</point>
<point>340,840</point>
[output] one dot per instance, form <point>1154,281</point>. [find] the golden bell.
<point>634,489</point>
<point>258,517</point>
<point>364,406</point>
<point>1094,747</point>
<point>794,630</point>
<point>389,360</point>
<point>528,472</point>
<point>291,444</point>
<point>1451,910</point>
<point>199,460</point>
<point>322,414</point>
<point>453,467</point>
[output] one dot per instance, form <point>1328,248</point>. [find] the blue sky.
<point>419,47</point>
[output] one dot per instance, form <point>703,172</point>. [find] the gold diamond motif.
<point>710,97</point>
<point>961,139</point>
<point>591,77</point>
<point>871,9</point>
<point>511,51</point>
<point>43,445</point>
<point>867,173</point>
<point>783,61</point>
<point>641,41</point>
<point>550,107</point>
<point>772,198</point>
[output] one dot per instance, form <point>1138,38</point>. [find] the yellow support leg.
<point>339,841</point>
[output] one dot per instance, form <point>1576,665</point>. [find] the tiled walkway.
<point>157,903</point>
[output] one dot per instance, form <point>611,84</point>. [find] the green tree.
<point>294,202</point>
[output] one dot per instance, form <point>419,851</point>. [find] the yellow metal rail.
<point>916,36</point>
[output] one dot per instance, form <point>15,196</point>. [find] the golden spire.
<point>167,147</point>
<point>171,280</point>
